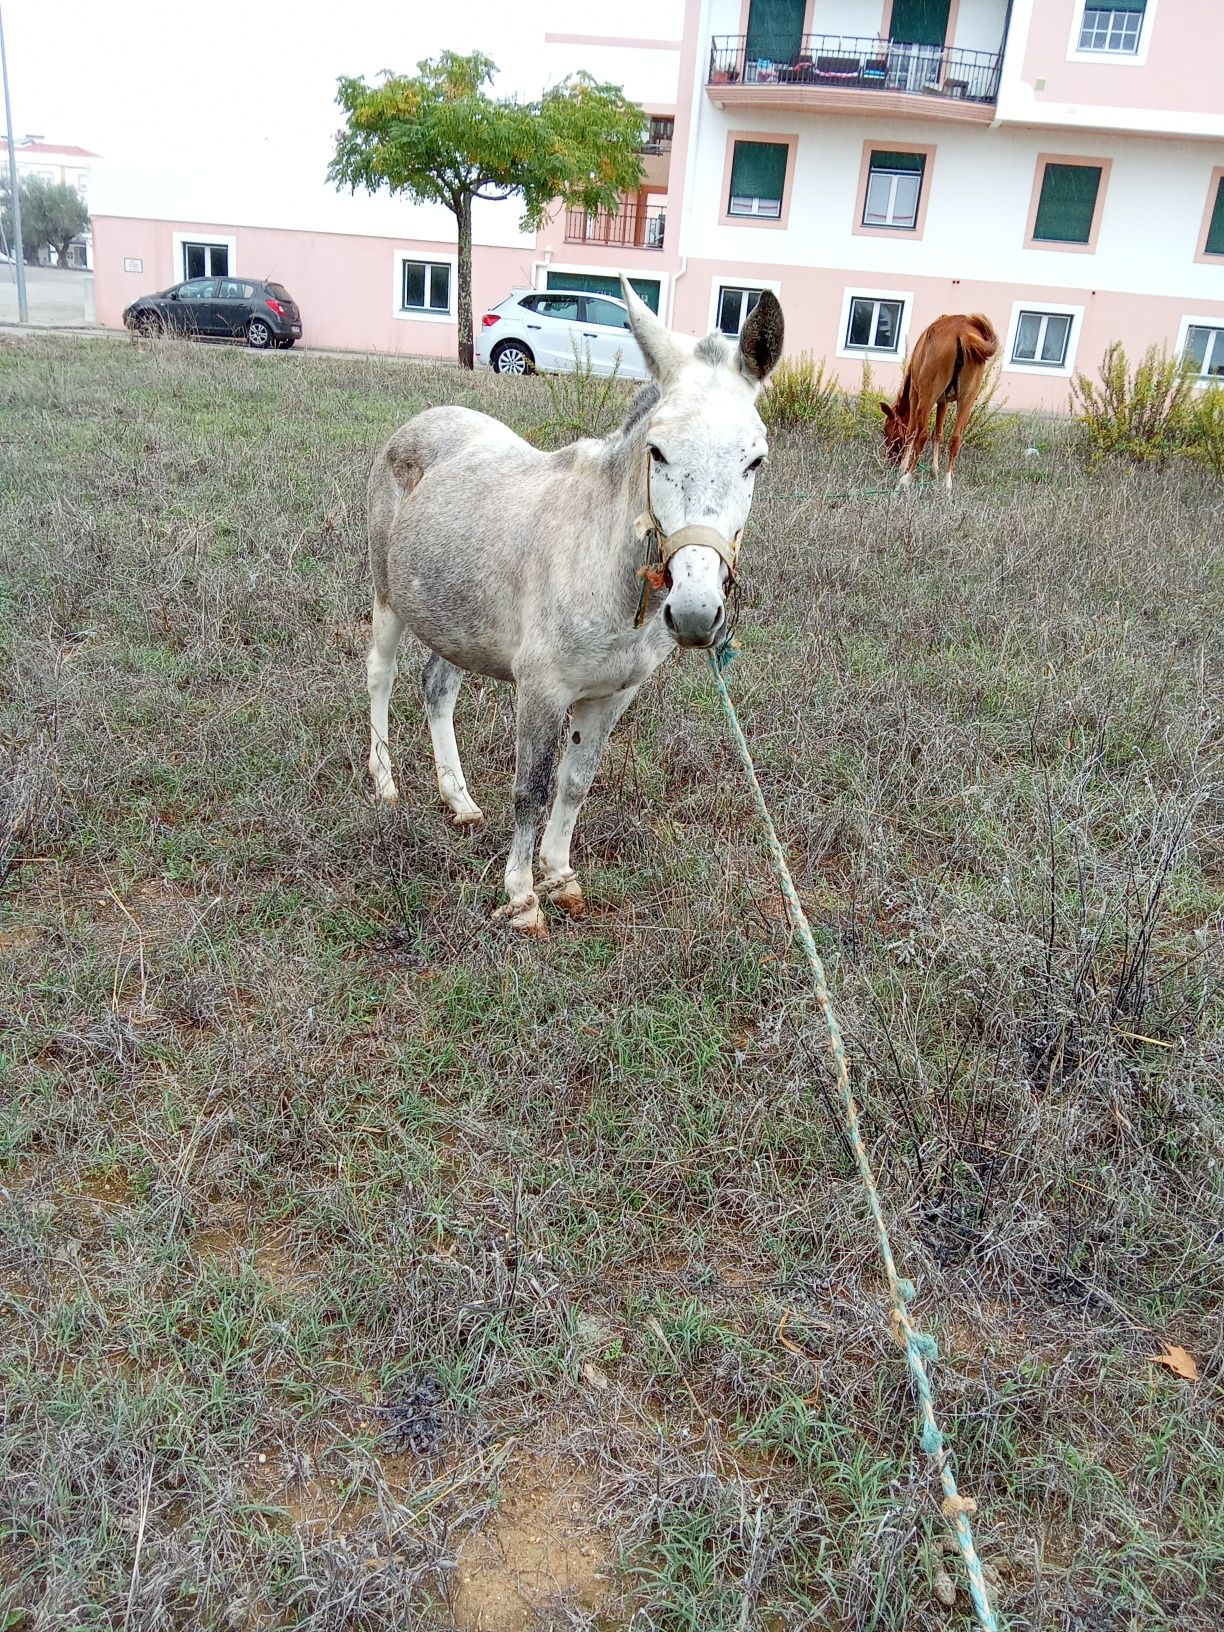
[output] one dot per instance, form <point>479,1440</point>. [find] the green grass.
<point>340,1232</point>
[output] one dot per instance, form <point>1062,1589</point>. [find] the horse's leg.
<point>440,681</point>
<point>381,667</point>
<point>914,446</point>
<point>591,724</point>
<point>964,407</point>
<point>941,413</point>
<point>540,713</point>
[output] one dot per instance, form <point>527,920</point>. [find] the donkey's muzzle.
<point>693,627</point>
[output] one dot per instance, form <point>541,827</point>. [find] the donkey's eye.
<point>656,455</point>
<point>755,465</point>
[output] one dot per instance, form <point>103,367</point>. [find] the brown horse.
<point>948,365</point>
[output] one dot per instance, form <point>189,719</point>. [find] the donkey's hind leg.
<point>381,668</point>
<point>441,681</point>
<point>941,413</point>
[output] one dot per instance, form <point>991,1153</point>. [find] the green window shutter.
<point>883,160</point>
<point>1215,232</point>
<point>919,22</point>
<point>1117,5</point>
<point>775,30</point>
<point>758,170</point>
<point>590,283</point>
<point>1068,200</point>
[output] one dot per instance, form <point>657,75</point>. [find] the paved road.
<point>58,299</point>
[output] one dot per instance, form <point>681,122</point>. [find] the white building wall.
<point>981,185</point>
<point>979,25</point>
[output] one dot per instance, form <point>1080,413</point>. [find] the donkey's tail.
<point>978,339</point>
<point>396,471</point>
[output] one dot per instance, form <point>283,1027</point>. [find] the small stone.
<point>945,1589</point>
<point>262,1457</point>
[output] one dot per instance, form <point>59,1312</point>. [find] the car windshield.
<point>278,291</point>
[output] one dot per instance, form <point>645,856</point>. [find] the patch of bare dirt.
<point>542,1549</point>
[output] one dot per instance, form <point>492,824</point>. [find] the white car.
<point>549,329</point>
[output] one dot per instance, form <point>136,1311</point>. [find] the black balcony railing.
<point>659,135</point>
<point>630,228</point>
<point>862,63</point>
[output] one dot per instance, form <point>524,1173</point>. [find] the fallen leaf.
<point>1179,1361</point>
<point>592,1374</point>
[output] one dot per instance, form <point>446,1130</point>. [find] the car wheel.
<point>148,325</point>
<point>512,358</point>
<point>259,335</point>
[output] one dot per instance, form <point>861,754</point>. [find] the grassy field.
<point>361,1268</point>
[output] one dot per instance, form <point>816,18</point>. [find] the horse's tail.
<point>978,338</point>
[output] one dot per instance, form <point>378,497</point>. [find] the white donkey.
<point>523,565</point>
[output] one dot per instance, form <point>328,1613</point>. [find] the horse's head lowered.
<point>705,444</point>
<point>896,430</point>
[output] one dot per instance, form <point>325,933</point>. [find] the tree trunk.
<point>467,357</point>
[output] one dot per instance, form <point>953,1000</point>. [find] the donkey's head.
<point>895,431</point>
<point>705,443</point>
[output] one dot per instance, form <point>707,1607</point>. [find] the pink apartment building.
<point>1057,164</point>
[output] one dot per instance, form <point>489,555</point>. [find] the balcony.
<point>858,74</point>
<point>656,152</point>
<point>630,228</point>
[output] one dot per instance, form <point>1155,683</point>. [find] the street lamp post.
<point>23,310</point>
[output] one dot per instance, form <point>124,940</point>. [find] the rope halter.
<point>653,573</point>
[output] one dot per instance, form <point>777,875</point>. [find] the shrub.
<point>1205,429</point>
<point>581,403</point>
<point>800,392</point>
<point>1145,414</point>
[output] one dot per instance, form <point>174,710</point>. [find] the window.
<point>1041,337</point>
<point>919,22</point>
<point>1067,206</point>
<point>592,283</point>
<point>758,177</point>
<point>206,260</point>
<point>874,325</point>
<point>1115,27</point>
<point>734,306</point>
<point>563,307</point>
<point>231,289</point>
<point>199,289</point>
<point>1214,243</point>
<point>894,186</point>
<point>426,286</point>
<point>603,311</point>
<point>1205,349</point>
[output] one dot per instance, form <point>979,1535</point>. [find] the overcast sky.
<point>232,115</point>
<point>121,76</point>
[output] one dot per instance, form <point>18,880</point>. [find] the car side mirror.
<point>174,294</point>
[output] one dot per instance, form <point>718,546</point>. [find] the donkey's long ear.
<point>661,349</point>
<point>761,337</point>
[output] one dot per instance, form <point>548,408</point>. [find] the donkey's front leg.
<point>590,726</point>
<point>540,713</point>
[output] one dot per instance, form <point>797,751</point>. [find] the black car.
<point>263,314</point>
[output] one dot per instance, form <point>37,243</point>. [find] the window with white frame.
<point>758,179</point>
<point>734,305</point>
<point>1115,27</point>
<point>426,287</point>
<point>894,186</point>
<point>205,260</point>
<point>874,325</point>
<point>1205,349</point>
<point>1042,338</point>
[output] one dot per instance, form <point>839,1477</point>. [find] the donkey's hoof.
<point>469,816</point>
<point>566,894</point>
<point>524,916</point>
<point>386,793</point>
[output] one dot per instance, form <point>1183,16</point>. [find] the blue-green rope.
<point>919,1348</point>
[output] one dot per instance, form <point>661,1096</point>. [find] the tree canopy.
<point>52,215</point>
<point>440,137</point>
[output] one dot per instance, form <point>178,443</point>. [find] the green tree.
<point>441,138</point>
<point>52,215</point>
